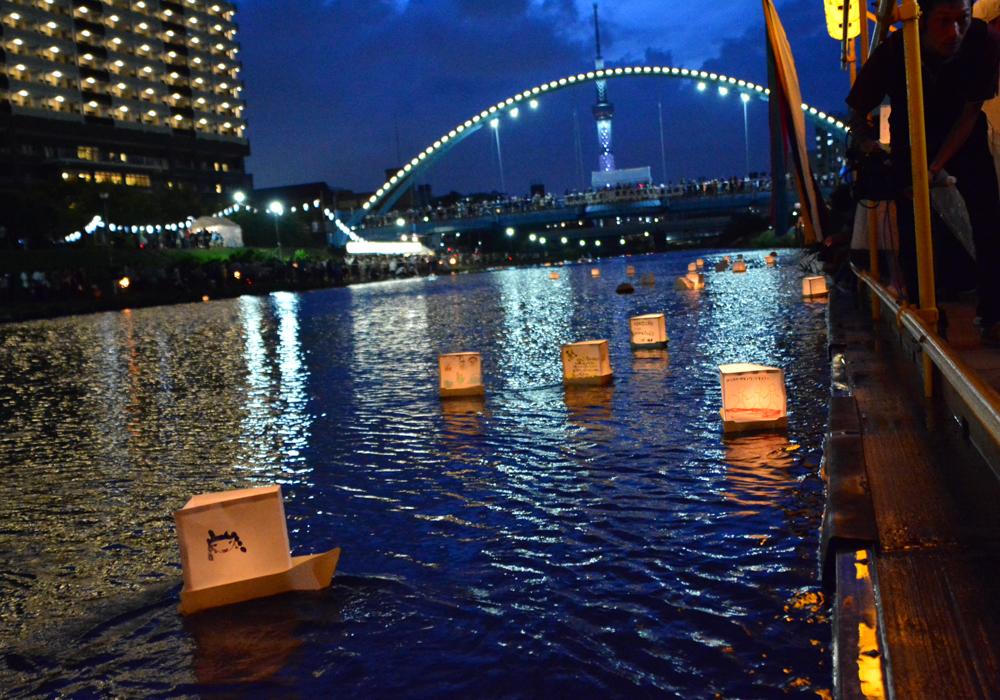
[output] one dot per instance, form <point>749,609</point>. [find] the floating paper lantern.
<point>595,272</point>
<point>814,286</point>
<point>770,260</point>
<point>700,263</point>
<point>739,266</point>
<point>648,331</point>
<point>726,260</point>
<point>721,266</point>
<point>553,275</point>
<point>234,547</point>
<point>697,279</point>
<point>647,279</point>
<point>692,267</point>
<point>587,362</point>
<point>461,374</point>
<point>630,271</point>
<point>753,397</point>
<point>683,284</point>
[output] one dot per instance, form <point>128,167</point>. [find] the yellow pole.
<point>909,15</point>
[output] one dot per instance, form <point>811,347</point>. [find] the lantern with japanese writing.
<point>814,287</point>
<point>234,547</point>
<point>648,331</point>
<point>461,374</point>
<point>587,362</point>
<point>753,397</point>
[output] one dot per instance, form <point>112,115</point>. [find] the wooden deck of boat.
<point>937,506</point>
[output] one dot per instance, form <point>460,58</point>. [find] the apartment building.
<point>144,93</point>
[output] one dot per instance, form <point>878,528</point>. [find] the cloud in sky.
<point>343,89</point>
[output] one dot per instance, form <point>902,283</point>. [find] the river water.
<point>541,543</point>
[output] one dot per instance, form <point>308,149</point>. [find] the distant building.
<point>829,156</point>
<point>135,92</point>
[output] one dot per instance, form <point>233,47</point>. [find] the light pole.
<point>495,123</point>
<point>104,200</point>
<point>276,209</point>
<point>746,133</point>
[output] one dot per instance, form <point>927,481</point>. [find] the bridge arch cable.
<point>390,192</point>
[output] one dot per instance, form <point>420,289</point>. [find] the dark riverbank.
<point>61,282</point>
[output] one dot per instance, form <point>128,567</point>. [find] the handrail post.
<point>909,14</point>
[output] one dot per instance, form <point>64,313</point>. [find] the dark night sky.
<point>327,83</point>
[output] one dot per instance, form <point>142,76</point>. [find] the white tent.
<point>231,233</point>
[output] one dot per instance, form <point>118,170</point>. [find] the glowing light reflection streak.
<point>273,431</point>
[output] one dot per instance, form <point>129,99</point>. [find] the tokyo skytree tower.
<point>603,110</point>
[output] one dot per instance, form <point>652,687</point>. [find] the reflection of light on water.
<point>294,421</point>
<point>756,470</point>
<point>537,313</point>
<point>276,426</point>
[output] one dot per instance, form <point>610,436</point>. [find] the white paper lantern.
<point>699,262</point>
<point>753,397</point>
<point>740,266</point>
<point>630,271</point>
<point>648,331</point>
<point>770,260</point>
<point>692,267</point>
<point>461,374</point>
<point>814,286</point>
<point>553,275</point>
<point>683,284</point>
<point>595,272</point>
<point>587,362</point>
<point>234,547</point>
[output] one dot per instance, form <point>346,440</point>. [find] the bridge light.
<point>276,208</point>
<point>494,123</point>
<point>510,232</point>
<point>404,238</point>
<point>566,240</point>
<point>542,240</point>
<point>534,104</point>
<point>581,242</point>
<point>514,112</point>
<point>701,86</point>
<point>723,90</point>
<point>400,221</point>
<point>745,97</point>
<point>597,243</point>
<point>532,237</point>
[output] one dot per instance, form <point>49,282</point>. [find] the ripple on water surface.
<point>604,542</point>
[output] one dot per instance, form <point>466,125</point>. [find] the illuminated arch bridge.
<point>391,191</point>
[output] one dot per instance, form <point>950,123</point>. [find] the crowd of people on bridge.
<point>469,208</point>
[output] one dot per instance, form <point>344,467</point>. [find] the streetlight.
<point>276,209</point>
<point>239,197</point>
<point>495,123</point>
<point>746,134</point>
<point>104,199</point>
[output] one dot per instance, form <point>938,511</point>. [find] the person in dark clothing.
<point>961,69</point>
